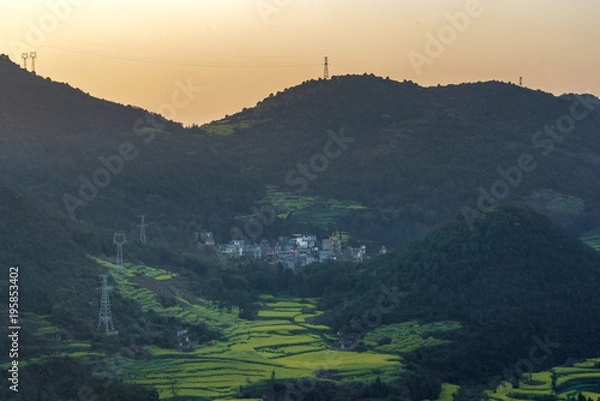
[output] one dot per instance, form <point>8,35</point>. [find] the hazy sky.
<point>239,51</point>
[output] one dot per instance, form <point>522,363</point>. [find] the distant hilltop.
<point>411,156</point>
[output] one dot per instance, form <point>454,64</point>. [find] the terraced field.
<point>447,392</point>
<point>282,343</point>
<point>405,337</point>
<point>593,241</point>
<point>144,283</point>
<point>307,208</point>
<point>226,127</point>
<point>581,377</point>
<point>278,343</point>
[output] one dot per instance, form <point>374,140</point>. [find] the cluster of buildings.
<point>294,251</point>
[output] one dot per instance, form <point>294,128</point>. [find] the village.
<point>292,251</point>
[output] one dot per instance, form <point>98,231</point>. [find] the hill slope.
<point>55,276</point>
<point>412,155</point>
<point>514,281</point>
<point>424,150</point>
<point>102,162</point>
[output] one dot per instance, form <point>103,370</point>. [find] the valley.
<point>280,344</point>
<point>273,267</point>
<point>282,348</point>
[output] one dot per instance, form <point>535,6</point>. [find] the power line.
<point>173,62</point>
<point>163,61</point>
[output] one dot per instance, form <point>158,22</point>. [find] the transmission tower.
<point>119,240</point>
<point>33,56</point>
<point>520,81</point>
<point>25,56</point>
<point>105,317</point>
<point>326,69</point>
<point>142,227</point>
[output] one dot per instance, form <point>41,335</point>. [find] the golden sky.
<point>140,52</point>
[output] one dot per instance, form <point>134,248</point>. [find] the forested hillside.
<point>513,281</point>
<point>480,191</point>
<point>411,156</point>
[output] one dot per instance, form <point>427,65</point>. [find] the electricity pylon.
<point>105,317</point>
<point>119,244</point>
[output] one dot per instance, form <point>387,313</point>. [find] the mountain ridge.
<point>419,154</point>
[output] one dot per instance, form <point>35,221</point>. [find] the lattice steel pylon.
<point>119,244</point>
<point>25,56</point>
<point>33,56</point>
<point>326,69</point>
<point>105,317</point>
<point>142,227</point>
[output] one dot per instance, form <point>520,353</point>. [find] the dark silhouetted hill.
<point>514,280</point>
<point>414,156</point>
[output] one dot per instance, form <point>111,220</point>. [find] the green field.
<point>278,342</point>
<point>593,241</point>
<point>307,208</point>
<point>274,343</point>
<point>581,377</point>
<point>187,311</point>
<point>408,336</point>
<point>281,343</point>
<point>226,126</point>
<point>447,392</point>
